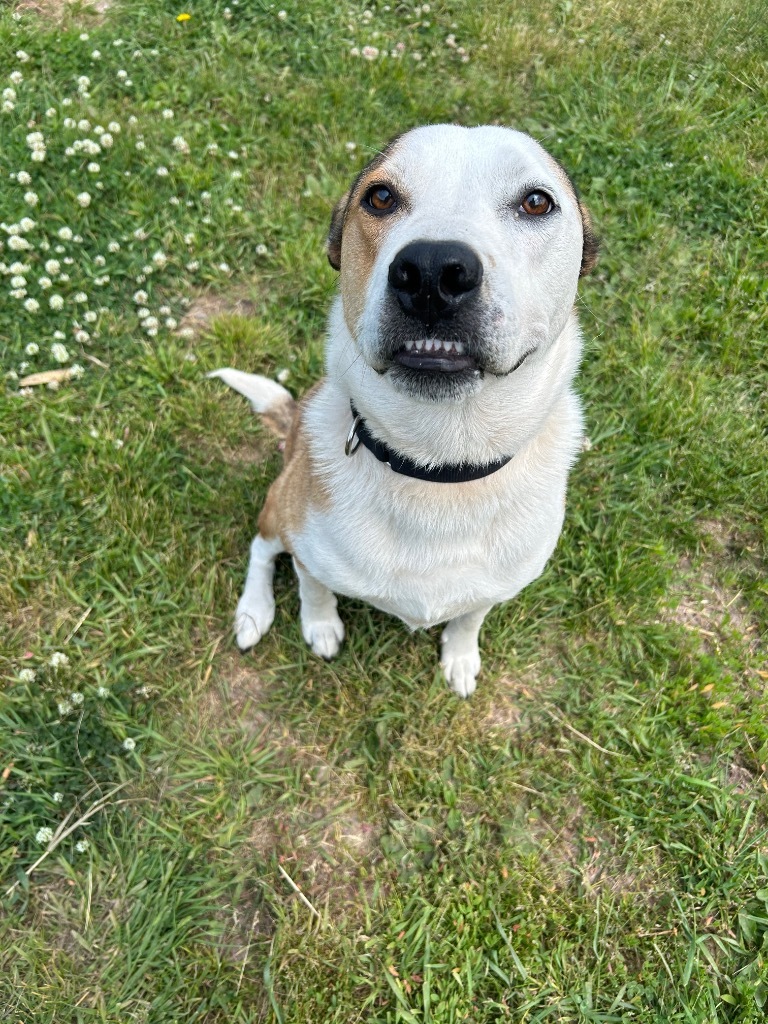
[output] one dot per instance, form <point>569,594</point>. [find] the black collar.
<point>445,474</point>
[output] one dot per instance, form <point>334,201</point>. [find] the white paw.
<point>461,672</point>
<point>324,636</point>
<point>252,620</point>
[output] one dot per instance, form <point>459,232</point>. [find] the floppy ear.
<point>591,248</point>
<point>333,245</point>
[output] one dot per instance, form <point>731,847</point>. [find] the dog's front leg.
<point>320,623</point>
<point>256,608</point>
<point>460,652</point>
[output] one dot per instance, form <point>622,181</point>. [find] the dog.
<point>426,472</point>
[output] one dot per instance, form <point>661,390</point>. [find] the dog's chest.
<point>428,563</point>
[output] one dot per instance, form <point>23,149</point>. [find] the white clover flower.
<point>99,261</point>
<point>32,306</point>
<point>58,797</point>
<point>236,175</point>
<point>52,266</point>
<point>148,269</point>
<point>18,244</point>
<point>27,675</point>
<point>93,168</point>
<point>162,172</point>
<point>164,310</point>
<point>58,660</point>
<point>168,114</point>
<point>159,259</point>
<point>122,75</point>
<point>142,313</point>
<point>224,268</point>
<point>76,371</point>
<point>114,127</point>
<point>18,293</point>
<point>44,836</point>
<point>81,845</point>
<point>63,278</point>
<point>23,367</point>
<point>81,297</point>
<point>180,144</point>
<point>171,323</point>
<point>113,247</point>
<point>45,283</point>
<point>83,199</point>
<point>91,148</point>
<point>70,122</point>
<point>82,84</point>
<point>8,106</point>
<point>129,744</point>
<point>282,376</point>
<point>100,281</point>
<point>24,178</point>
<point>81,337</point>
<point>187,332</point>
<point>77,698</point>
<point>31,198</point>
<point>150,323</point>
<point>90,317</point>
<point>16,77</point>
<point>27,224</point>
<point>261,250</point>
<point>22,56</point>
<point>102,691</point>
<point>59,352</point>
<point>106,140</point>
<point>59,335</point>
<point>212,148</point>
<point>19,268</point>
<point>31,350</point>
<point>140,297</point>
<point>370,52</point>
<point>17,281</point>
<point>65,234</point>
<point>69,151</point>
<point>96,55</point>
<point>38,155</point>
<point>56,302</point>
<point>193,265</point>
<point>9,94</point>
<point>282,15</point>
<point>233,155</point>
<point>140,145</point>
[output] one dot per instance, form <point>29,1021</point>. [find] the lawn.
<point>191,834</point>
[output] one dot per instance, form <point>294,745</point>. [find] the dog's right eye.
<point>379,199</point>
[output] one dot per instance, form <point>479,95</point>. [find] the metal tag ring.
<point>348,448</point>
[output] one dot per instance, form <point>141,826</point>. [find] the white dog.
<point>426,473</point>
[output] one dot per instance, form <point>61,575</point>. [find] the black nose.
<point>433,279</point>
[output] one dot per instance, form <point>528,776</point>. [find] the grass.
<point>283,840</point>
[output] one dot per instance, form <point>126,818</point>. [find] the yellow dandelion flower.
<point>183,17</point>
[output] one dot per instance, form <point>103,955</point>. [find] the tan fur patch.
<point>297,488</point>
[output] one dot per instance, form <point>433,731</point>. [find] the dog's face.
<point>460,250</point>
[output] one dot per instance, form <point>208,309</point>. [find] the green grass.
<point>585,839</point>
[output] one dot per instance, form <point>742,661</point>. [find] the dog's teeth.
<point>409,345</point>
<point>419,344</point>
<point>429,345</point>
<point>459,348</point>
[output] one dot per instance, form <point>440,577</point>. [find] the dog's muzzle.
<point>432,283</point>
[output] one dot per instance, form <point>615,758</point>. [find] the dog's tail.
<point>269,399</point>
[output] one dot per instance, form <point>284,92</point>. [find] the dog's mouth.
<point>433,354</point>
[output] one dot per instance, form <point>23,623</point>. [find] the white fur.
<point>261,392</point>
<point>432,552</point>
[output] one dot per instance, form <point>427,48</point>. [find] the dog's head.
<point>460,250</point>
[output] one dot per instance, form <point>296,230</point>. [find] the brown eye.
<point>537,203</point>
<point>379,198</point>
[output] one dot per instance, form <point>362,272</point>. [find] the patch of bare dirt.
<point>56,10</point>
<point>702,605</point>
<point>207,307</point>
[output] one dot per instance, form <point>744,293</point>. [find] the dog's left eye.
<point>379,198</point>
<point>537,203</point>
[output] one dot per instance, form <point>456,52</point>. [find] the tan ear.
<point>591,247</point>
<point>333,245</point>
